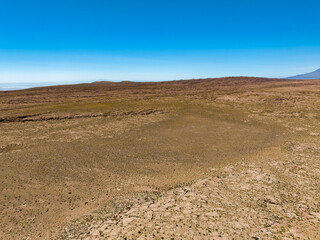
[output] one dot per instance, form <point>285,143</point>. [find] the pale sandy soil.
<point>268,199</point>
<point>231,158</point>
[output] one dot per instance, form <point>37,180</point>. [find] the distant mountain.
<point>312,75</point>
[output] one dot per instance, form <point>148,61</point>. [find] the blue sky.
<point>63,41</point>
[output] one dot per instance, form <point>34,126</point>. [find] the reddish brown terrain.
<point>228,158</point>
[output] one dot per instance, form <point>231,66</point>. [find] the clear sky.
<point>77,40</point>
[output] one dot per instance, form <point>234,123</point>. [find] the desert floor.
<point>230,158</point>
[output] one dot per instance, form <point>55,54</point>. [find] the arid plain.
<point>228,158</point>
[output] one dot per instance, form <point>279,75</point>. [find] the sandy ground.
<point>268,199</point>
<point>234,158</point>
